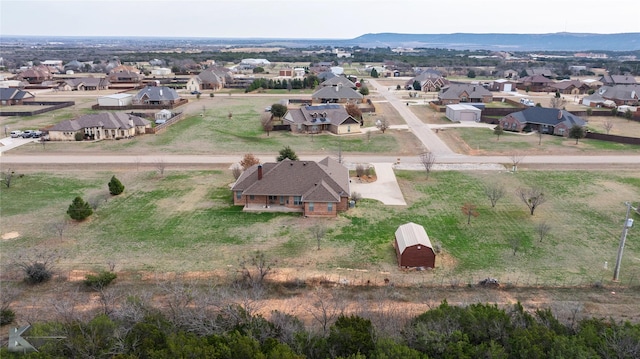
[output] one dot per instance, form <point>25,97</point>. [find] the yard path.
<point>385,189</point>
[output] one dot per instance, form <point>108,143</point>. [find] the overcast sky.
<point>332,19</point>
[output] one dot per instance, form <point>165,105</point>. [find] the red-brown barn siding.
<point>414,257</point>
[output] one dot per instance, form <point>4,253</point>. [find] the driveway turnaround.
<point>385,189</point>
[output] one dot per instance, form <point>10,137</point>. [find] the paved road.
<point>422,131</point>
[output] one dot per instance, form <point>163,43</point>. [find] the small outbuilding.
<point>413,247</point>
<point>116,100</point>
<point>463,112</point>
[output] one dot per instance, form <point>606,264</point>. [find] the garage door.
<point>507,87</point>
<point>467,116</point>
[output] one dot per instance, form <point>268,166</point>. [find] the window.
<point>348,128</point>
<point>297,200</point>
<point>311,206</point>
<point>330,207</point>
<point>239,195</point>
<point>252,197</point>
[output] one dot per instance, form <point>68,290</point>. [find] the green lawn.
<point>185,221</point>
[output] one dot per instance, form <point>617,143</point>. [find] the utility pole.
<point>627,224</point>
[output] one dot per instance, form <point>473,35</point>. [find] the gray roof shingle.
<point>106,120</point>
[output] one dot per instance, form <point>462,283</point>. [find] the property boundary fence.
<point>50,106</point>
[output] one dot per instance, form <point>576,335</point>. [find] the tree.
<point>351,335</point>
<point>354,111</point>
<point>7,177</point>
<point>469,210</point>
<point>318,231</point>
<point>258,70</point>
<point>249,160</point>
<point>355,197</point>
<point>627,114</point>
<point>79,209</point>
<point>494,191</point>
<point>577,132</point>
<point>515,243</point>
<point>287,152</point>
<point>60,226</point>
<point>278,110</point>
<point>236,170</point>
<point>416,85</point>
<point>533,197</point>
<point>255,268</point>
<point>516,158</point>
<point>161,166</point>
<point>382,124</point>
<point>608,125</point>
<point>38,269</point>
<point>374,73</point>
<point>542,229</point>
<point>364,90</point>
<point>498,131</point>
<point>471,74</point>
<point>428,159</point>
<point>78,136</point>
<point>266,122</point>
<point>115,186</point>
<point>557,101</point>
<point>589,111</point>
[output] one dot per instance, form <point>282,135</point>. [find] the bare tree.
<point>39,267</point>
<point>428,159</point>
<point>368,136</point>
<point>557,102</point>
<point>7,177</point>
<point>354,111</point>
<point>95,201</point>
<point>516,158</point>
<point>236,170</point>
<point>608,125</point>
<point>515,243</point>
<point>355,197</point>
<point>256,268</point>
<point>318,231</point>
<point>494,191</point>
<point>60,226</point>
<point>266,122</point>
<point>359,170</point>
<point>324,307</point>
<point>533,197</point>
<point>161,165</point>
<point>542,229</point>
<point>469,210</point>
<point>249,160</point>
<point>8,294</point>
<point>382,124</point>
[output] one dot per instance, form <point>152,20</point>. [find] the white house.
<point>161,71</point>
<point>118,99</point>
<point>463,112</point>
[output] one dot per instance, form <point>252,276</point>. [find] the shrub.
<point>7,316</point>
<point>79,209</point>
<point>115,186</point>
<point>37,272</point>
<point>101,280</point>
<point>79,136</point>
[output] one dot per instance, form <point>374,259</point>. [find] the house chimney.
<point>259,172</point>
<point>559,114</point>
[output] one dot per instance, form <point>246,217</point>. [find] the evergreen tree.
<point>576,132</point>
<point>79,209</point>
<point>374,73</point>
<point>287,152</point>
<point>115,186</point>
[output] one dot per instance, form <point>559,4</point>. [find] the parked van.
<point>527,102</point>
<point>16,134</point>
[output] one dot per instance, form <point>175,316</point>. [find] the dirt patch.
<point>10,235</point>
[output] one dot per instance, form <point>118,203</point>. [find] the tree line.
<point>196,327</point>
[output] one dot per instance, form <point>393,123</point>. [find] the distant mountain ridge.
<point>562,41</point>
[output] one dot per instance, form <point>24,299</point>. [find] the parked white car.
<point>16,134</point>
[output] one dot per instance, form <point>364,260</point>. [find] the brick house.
<point>535,83</point>
<point>570,87</point>
<point>315,189</point>
<point>157,95</point>
<point>544,120</point>
<point>336,94</point>
<point>13,96</point>
<point>326,117</point>
<point>100,126</point>
<point>462,93</point>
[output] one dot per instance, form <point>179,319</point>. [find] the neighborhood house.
<point>315,119</point>
<point>107,125</point>
<point>543,120</point>
<point>316,189</point>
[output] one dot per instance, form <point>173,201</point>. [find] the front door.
<point>282,200</point>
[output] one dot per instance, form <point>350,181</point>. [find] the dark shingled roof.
<point>454,91</point>
<point>106,120</point>
<point>320,114</point>
<point>548,116</point>
<point>334,81</point>
<point>324,181</point>
<point>337,92</point>
<point>157,93</point>
<point>7,94</point>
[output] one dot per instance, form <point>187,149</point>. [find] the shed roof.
<point>411,234</point>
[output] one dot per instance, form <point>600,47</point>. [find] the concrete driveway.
<point>385,189</point>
